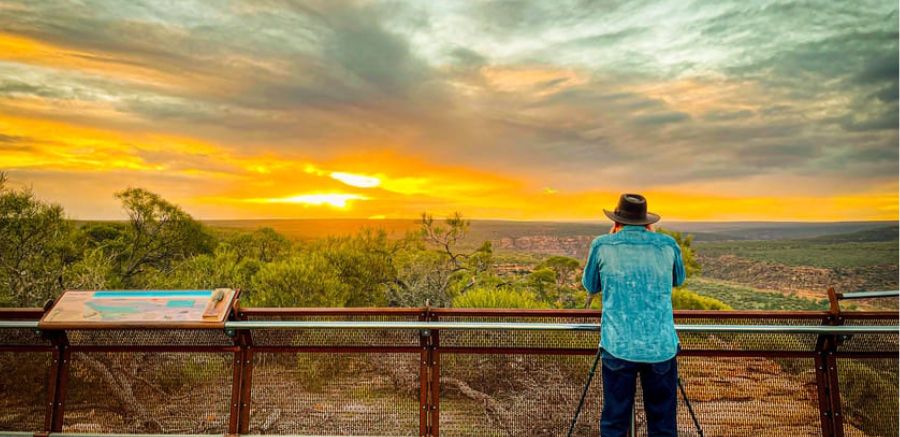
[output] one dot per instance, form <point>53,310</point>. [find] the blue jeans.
<point>660,386</point>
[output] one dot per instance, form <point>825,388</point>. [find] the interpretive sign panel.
<point>110,309</point>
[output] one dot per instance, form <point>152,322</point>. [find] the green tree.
<point>543,281</point>
<point>450,269</point>
<point>159,234</point>
<point>422,276</point>
<point>36,245</point>
<point>226,267</point>
<point>307,279</point>
<point>94,271</point>
<point>563,267</point>
<point>264,245</point>
<point>365,262</point>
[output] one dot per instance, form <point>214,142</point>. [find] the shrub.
<point>497,298</point>
<point>683,299</point>
<point>306,280</point>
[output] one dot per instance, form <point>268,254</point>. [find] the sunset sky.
<point>717,110</point>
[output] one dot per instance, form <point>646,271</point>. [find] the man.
<point>636,269</point>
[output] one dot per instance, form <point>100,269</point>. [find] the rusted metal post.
<point>58,382</point>
<point>424,378</point>
<point>435,380</point>
<point>827,381</point>
<point>237,374</point>
<point>246,381</point>
<point>837,415</point>
<point>826,424</point>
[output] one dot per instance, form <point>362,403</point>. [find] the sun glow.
<point>319,199</point>
<point>356,180</point>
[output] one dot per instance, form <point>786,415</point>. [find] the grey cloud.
<point>887,94</point>
<point>662,118</point>
<point>728,115</point>
<point>467,58</point>
<point>856,123</point>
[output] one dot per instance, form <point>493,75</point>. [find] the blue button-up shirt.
<point>636,269</point>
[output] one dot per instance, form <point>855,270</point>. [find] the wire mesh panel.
<point>149,337</point>
<point>22,337</point>
<point>868,390</point>
<point>516,395</point>
<point>745,397</point>
<point>751,341</point>
<point>869,342</point>
<point>138,392</point>
<point>338,337</point>
<point>23,384</point>
<point>518,339</point>
<point>335,394</point>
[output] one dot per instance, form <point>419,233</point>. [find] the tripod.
<point>588,384</point>
<point>690,409</point>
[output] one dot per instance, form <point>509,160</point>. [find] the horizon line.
<point>573,220</point>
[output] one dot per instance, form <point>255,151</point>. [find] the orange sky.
<point>371,113</point>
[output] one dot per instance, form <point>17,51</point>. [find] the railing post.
<point>237,378</point>
<point>429,378</point>
<point>246,381</point>
<point>826,374</point>
<point>58,382</point>
<point>435,379</point>
<point>424,378</point>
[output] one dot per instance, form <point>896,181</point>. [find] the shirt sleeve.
<point>591,278</point>
<point>678,269</point>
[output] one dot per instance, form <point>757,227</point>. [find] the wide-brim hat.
<point>632,210</point>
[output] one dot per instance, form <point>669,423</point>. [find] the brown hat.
<point>632,210</point>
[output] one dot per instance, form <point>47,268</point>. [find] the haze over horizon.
<point>528,110</point>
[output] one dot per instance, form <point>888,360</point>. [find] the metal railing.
<point>437,371</point>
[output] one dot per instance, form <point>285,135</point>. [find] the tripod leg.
<point>690,409</point>
<point>584,393</point>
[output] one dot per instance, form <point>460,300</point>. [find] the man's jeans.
<point>660,384</point>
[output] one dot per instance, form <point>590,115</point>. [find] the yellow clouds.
<point>48,144</point>
<point>55,145</point>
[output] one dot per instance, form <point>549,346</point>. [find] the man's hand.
<point>587,303</point>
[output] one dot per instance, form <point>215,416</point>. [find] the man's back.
<point>636,269</point>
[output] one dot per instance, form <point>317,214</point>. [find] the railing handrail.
<point>514,326</point>
<point>37,313</point>
<point>868,294</point>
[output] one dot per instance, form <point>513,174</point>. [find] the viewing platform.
<point>439,371</point>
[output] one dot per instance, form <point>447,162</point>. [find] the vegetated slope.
<point>741,297</point>
<point>862,260</point>
<point>775,230</point>
<point>885,234</point>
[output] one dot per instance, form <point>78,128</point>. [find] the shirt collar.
<point>633,228</point>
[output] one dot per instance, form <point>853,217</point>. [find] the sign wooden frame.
<point>140,309</point>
